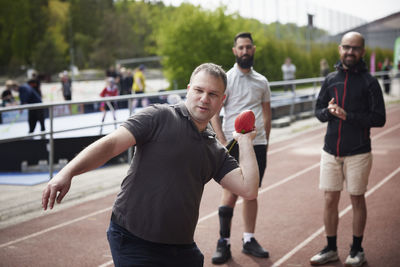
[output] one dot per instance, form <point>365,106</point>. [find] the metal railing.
<point>283,98</point>
<point>51,106</point>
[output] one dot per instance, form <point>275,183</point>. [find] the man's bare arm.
<point>244,181</point>
<point>94,156</point>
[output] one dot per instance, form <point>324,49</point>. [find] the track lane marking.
<point>287,179</point>
<point>213,213</point>
<point>200,220</point>
<point>294,144</point>
<point>344,211</point>
<point>55,227</point>
<point>391,129</point>
<point>341,214</point>
<point>315,234</point>
<point>108,263</point>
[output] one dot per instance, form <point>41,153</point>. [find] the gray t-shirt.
<point>160,196</point>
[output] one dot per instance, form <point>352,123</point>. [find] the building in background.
<point>380,33</point>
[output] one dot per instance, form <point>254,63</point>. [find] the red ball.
<point>245,121</point>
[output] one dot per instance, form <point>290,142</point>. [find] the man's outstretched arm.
<point>93,156</point>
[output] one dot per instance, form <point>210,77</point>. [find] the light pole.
<point>310,19</point>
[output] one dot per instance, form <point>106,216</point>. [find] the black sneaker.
<point>253,248</point>
<point>223,252</point>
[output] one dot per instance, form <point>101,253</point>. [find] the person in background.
<point>66,88</point>
<point>289,73</point>
<point>111,72</point>
<point>125,85</point>
<point>139,86</point>
<point>111,89</point>
<point>247,89</point>
<point>351,101</point>
<point>380,66</point>
<point>156,212</point>
<point>323,67</point>
<point>126,81</point>
<point>34,81</point>
<point>66,85</point>
<point>386,78</point>
<point>28,95</point>
<point>7,98</point>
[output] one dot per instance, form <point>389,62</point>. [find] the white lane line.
<point>109,208</point>
<point>287,179</point>
<point>295,144</point>
<point>341,214</point>
<point>272,186</point>
<point>200,220</point>
<point>54,227</point>
<point>108,263</point>
<point>296,174</point>
<point>393,128</point>
<point>315,234</point>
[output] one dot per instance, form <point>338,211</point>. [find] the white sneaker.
<point>324,256</point>
<point>356,258</point>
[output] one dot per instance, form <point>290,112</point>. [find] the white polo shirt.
<point>245,91</point>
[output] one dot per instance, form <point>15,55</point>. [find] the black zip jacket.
<point>360,95</point>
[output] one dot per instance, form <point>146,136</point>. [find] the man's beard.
<point>245,62</point>
<point>349,63</point>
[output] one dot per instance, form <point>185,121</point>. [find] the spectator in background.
<point>323,67</point>
<point>379,65</point>
<point>126,81</point>
<point>139,86</point>
<point>28,95</point>
<point>125,85</point>
<point>289,73</point>
<point>111,89</point>
<point>386,77</point>
<point>114,73</point>
<point>111,72</point>
<point>7,99</point>
<point>66,85</point>
<point>34,82</point>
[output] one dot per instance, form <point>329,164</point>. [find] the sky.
<point>367,9</point>
<point>332,15</point>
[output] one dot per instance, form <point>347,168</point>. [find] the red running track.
<point>289,222</point>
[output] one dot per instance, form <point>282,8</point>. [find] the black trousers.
<point>130,250</point>
<point>35,115</point>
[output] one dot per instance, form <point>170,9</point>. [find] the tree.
<point>22,26</point>
<point>189,40</point>
<point>125,32</point>
<point>87,18</point>
<point>42,33</point>
<point>51,51</point>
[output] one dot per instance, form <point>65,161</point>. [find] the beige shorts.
<point>354,170</point>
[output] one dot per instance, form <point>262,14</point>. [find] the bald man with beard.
<point>351,102</point>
